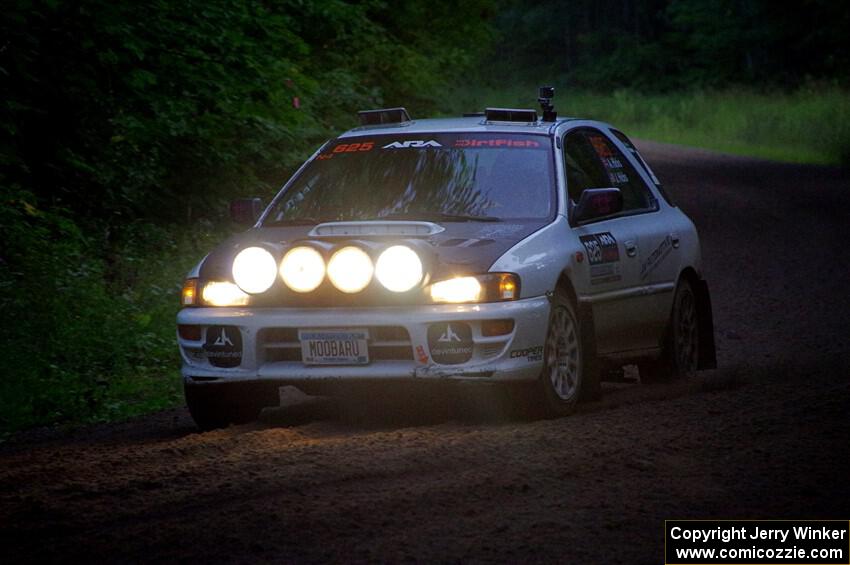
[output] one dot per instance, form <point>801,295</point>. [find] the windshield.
<point>442,177</point>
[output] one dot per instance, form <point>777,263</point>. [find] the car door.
<point>660,254</point>
<point>607,272</point>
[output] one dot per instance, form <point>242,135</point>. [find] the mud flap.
<point>591,387</point>
<point>707,351</point>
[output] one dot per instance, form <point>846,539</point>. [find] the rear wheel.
<point>214,406</point>
<point>680,354</point>
<point>567,371</point>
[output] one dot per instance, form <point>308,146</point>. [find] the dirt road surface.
<point>763,436</point>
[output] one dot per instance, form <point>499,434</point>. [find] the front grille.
<point>386,343</point>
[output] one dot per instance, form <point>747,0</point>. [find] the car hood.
<point>461,248</point>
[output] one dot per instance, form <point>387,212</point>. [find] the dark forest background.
<point>126,127</point>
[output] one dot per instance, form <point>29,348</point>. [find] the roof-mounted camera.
<point>545,94</point>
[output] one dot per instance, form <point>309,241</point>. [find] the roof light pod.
<point>399,268</point>
<point>350,269</point>
<point>302,269</point>
<point>254,270</point>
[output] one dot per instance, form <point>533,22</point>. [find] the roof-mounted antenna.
<point>545,94</point>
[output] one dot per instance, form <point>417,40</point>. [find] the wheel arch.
<point>587,330</point>
<point>565,284</point>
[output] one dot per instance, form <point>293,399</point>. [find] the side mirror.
<point>597,203</point>
<point>245,210</point>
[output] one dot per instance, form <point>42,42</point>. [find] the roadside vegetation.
<point>810,124</point>
<point>126,127</point>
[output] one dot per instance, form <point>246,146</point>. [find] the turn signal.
<point>190,292</point>
<point>491,328</point>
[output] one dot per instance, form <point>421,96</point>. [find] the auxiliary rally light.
<point>302,269</point>
<point>350,269</point>
<point>254,270</point>
<point>399,268</point>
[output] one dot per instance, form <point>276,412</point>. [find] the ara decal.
<point>413,143</point>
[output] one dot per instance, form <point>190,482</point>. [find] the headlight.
<point>302,269</point>
<point>350,269</point>
<point>461,289</point>
<point>223,294</point>
<point>254,270</point>
<point>399,268</point>
<point>491,287</point>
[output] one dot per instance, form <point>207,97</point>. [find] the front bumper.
<point>269,355</point>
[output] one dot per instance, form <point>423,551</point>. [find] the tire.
<point>217,406</point>
<point>680,352</point>
<point>568,367</point>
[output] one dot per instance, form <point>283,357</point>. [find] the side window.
<point>620,174</point>
<point>583,169</point>
<point>630,146</point>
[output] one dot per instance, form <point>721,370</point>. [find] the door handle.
<point>631,248</point>
<point>675,239</point>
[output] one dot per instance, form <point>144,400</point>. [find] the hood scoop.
<point>402,228</point>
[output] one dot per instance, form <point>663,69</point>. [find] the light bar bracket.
<point>511,115</point>
<point>383,116</point>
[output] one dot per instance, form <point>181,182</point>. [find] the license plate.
<point>334,347</point>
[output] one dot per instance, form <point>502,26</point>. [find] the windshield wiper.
<point>439,216</point>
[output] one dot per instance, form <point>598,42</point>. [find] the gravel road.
<point>763,436</point>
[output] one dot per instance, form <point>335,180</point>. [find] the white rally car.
<point>496,248</point>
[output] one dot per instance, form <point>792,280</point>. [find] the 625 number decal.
<point>353,147</point>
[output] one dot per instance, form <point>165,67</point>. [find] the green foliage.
<point>86,336</point>
<point>664,45</point>
<point>118,107</point>
<point>808,125</point>
<point>125,123</point>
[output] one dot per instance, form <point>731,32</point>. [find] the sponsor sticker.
<point>450,343</point>
<point>531,354</point>
<point>656,257</point>
<point>603,254</point>
<point>223,346</point>
<point>508,143</point>
<point>612,163</point>
<point>412,143</point>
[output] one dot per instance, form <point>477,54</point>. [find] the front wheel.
<point>680,353</point>
<point>568,373</point>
